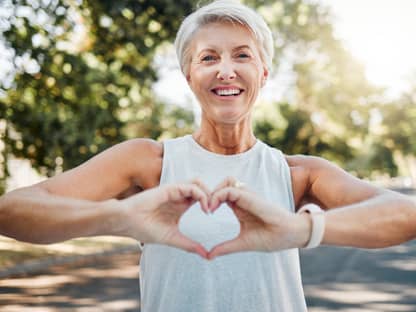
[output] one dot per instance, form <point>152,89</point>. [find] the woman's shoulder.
<point>144,158</point>
<point>132,163</point>
<point>143,147</point>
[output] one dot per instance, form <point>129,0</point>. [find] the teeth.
<point>227,91</point>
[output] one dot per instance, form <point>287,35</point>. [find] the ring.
<point>238,184</point>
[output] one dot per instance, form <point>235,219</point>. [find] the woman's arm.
<point>365,216</point>
<point>36,216</point>
<point>358,214</point>
<point>386,219</point>
<point>151,216</point>
<point>132,164</point>
<point>81,201</point>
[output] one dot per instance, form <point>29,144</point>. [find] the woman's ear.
<point>265,75</point>
<point>189,80</point>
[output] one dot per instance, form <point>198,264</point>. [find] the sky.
<point>381,34</point>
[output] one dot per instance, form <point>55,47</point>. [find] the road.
<point>347,279</point>
<point>340,279</point>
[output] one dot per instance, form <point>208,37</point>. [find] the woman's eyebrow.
<point>206,50</point>
<point>242,47</point>
<point>213,50</point>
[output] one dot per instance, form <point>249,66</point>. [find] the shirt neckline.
<point>203,150</point>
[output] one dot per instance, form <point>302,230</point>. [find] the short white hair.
<point>223,11</point>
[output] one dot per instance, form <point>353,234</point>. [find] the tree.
<point>296,133</point>
<point>326,111</point>
<point>85,75</point>
<point>396,136</point>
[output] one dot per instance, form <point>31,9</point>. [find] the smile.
<point>227,92</point>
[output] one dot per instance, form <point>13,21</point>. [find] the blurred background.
<point>79,76</point>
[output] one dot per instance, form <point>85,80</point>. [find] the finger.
<point>200,195</point>
<point>228,182</point>
<point>228,194</point>
<point>193,192</point>
<point>242,199</point>
<point>232,246</point>
<point>201,185</point>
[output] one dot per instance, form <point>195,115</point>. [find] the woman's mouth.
<point>227,91</point>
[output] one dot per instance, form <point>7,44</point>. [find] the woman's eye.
<point>243,55</point>
<point>208,58</point>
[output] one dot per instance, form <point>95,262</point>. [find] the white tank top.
<point>172,280</point>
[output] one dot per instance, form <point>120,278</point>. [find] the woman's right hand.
<point>152,216</point>
<point>264,226</point>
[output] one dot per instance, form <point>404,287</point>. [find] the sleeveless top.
<point>172,280</point>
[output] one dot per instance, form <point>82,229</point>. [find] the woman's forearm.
<point>385,220</point>
<point>33,215</point>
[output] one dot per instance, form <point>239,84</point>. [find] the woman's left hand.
<point>263,226</point>
<point>152,216</point>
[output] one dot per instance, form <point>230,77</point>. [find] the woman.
<point>225,51</point>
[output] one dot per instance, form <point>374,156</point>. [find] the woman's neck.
<point>225,139</point>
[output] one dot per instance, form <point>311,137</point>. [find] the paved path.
<point>107,283</point>
<point>345,279</point>
<point>335,279</point>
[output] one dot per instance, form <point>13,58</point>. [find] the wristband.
<point>318,224</point>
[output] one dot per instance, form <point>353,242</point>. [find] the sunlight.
<point>380,34</point>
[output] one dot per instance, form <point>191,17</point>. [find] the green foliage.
<point>56,118</point>
<point>398,131</point>
<point>328,104</point>
<point>396,135</point>
<point>300,135</point>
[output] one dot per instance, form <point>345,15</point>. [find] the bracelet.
<point>318,224</point>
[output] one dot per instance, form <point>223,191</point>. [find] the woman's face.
<point>226,71</point>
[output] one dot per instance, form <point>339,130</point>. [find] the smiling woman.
<point>226,73</point>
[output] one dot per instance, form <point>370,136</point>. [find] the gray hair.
<point>223,11</point>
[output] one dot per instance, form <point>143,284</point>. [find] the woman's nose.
<point>226,71</point>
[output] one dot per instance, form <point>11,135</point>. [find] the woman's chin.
<point>230,117</point>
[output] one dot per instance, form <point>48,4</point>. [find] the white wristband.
<point>318,224</point>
